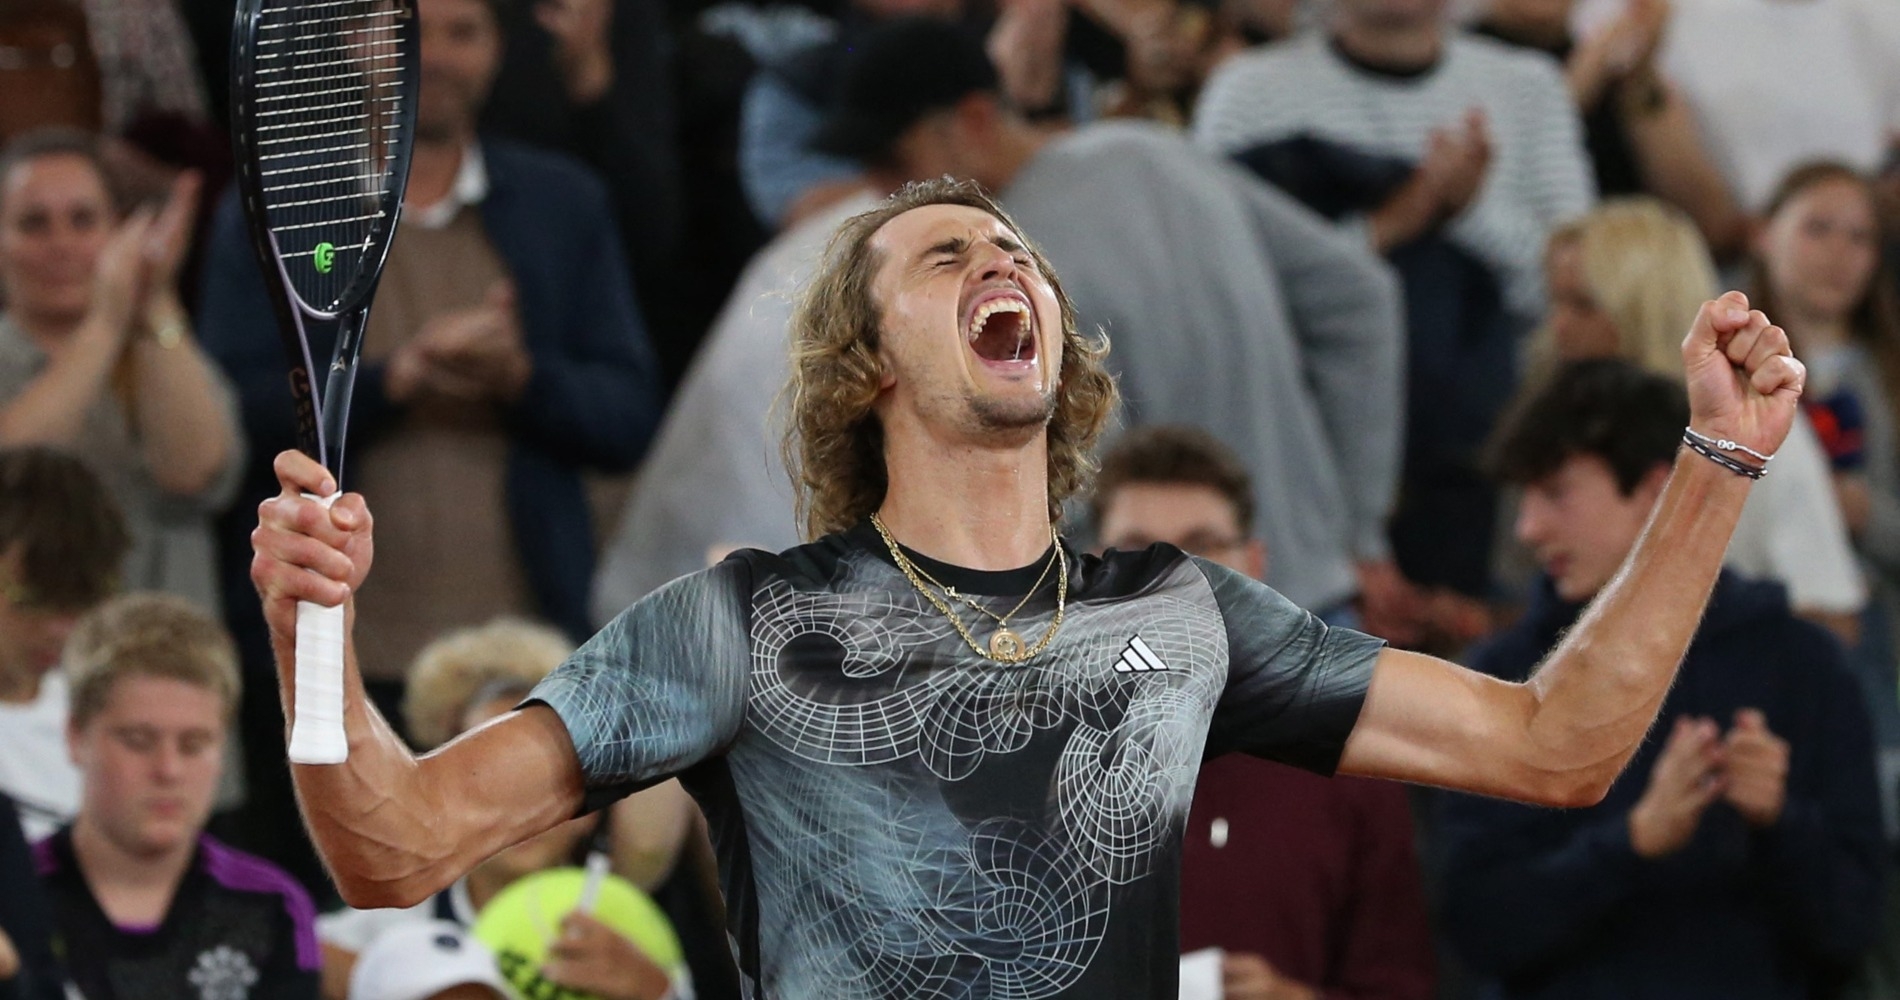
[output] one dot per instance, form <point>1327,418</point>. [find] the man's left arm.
<point>1561,737</point>
<point>593,397</point>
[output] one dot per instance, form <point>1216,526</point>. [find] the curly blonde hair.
<point>834,444</point>
<point>451,671</point>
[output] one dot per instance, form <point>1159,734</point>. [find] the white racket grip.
<point>316,732</point>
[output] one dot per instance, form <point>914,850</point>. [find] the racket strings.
<point>329,102</point>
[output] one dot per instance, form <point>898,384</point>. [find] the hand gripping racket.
<point>323,108</point>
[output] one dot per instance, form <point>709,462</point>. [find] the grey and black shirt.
<point>897,817</point>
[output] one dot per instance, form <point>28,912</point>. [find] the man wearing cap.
<point>1230,306</point>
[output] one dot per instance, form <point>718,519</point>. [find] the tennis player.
<point>942,753</point>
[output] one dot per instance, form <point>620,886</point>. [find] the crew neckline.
<point>989,583</point>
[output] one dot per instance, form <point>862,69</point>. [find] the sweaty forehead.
<point>919,229</point>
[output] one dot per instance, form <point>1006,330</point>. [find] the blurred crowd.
<point>1394,290</point>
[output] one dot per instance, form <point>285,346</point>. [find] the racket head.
<point>323,119</point>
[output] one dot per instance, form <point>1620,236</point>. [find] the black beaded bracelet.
<point>1694,442</point>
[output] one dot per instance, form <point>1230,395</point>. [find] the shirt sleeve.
<point>661,688</point>
<point>1294,683</point>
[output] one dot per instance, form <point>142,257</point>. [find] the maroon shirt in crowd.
<point>1317,875</point>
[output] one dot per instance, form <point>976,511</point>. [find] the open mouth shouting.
<point>1000,326</point>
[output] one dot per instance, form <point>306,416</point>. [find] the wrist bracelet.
<point>1708,448</point>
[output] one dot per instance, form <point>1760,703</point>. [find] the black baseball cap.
<point>897,73</point>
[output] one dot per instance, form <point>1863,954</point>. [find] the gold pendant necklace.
<point>1005,646</point>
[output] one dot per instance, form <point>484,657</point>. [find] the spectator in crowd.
<point>594,79</point>
<point>1454,157</point>
<point>1032,43</point>
<point>713,481</point>
<point>785,178</point>
<point>459,682</point>
<point>1834,93</point>
<point>1626,281</point>
<point>143,902</point>
<point>97,355</point>
<point>1739,855</point>
<point>1817,263</point>
<point>496,378</point>
<point>1310,886</point>
<point>429,960</point>
<point>1639,131</point>
<point>62,546</point>
<point>1230,307</point>
<point>28,970</point>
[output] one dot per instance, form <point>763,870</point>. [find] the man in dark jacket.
<point>504,358</point>
<point>1739,855</point>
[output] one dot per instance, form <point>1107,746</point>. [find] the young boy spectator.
<point>1309,886</point>
<point>1739,855</point>
<point>62,543</point>
<point>144,903</point>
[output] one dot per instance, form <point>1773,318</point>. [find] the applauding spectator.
<point>97,355</point>
<point>1739,855</point>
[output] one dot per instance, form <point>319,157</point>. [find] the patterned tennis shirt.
<point>897,817</point>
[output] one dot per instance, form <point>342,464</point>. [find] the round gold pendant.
<point>1006,646</point>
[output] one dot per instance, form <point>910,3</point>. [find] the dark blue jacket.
<point>594,399</point>
<point>1554,904</point>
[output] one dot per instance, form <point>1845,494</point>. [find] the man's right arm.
<point>393,828</point>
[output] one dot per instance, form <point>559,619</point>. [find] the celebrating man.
<point>941,754</point>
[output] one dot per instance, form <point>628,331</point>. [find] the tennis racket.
<point>323,107</point>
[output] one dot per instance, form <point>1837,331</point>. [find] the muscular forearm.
<point>395,829</point>
<point>371,816</point>
<point>1597,693</point>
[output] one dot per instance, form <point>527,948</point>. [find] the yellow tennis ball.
<point>521,924</point>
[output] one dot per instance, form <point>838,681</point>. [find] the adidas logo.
<point>1137,658</point>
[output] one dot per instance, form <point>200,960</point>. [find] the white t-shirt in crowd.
<point>1776,83</point>
<point>35,769</point>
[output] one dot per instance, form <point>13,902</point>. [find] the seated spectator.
<point>1309,886</point>
<point>1639,131</point>
<point>143,902</point>
<point>714,482</point>
<point>62,544</point>
<point>497,378</point>
<point>1626,281</point>
<point>28,970</point>
<point>1230,307</point>
<point>459,682</point>
<point>429,960</point>
<point>1834,93</point>
<point>97,355</point>
<point>1817,263</point>
<point>1453,156</point>
<point>1739,855</point>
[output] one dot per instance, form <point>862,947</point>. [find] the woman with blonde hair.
<point>1817,261</point>
<point>1625,281</point>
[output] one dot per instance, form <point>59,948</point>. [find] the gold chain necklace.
<point>1003,619</point>
<point>1005,645</point>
